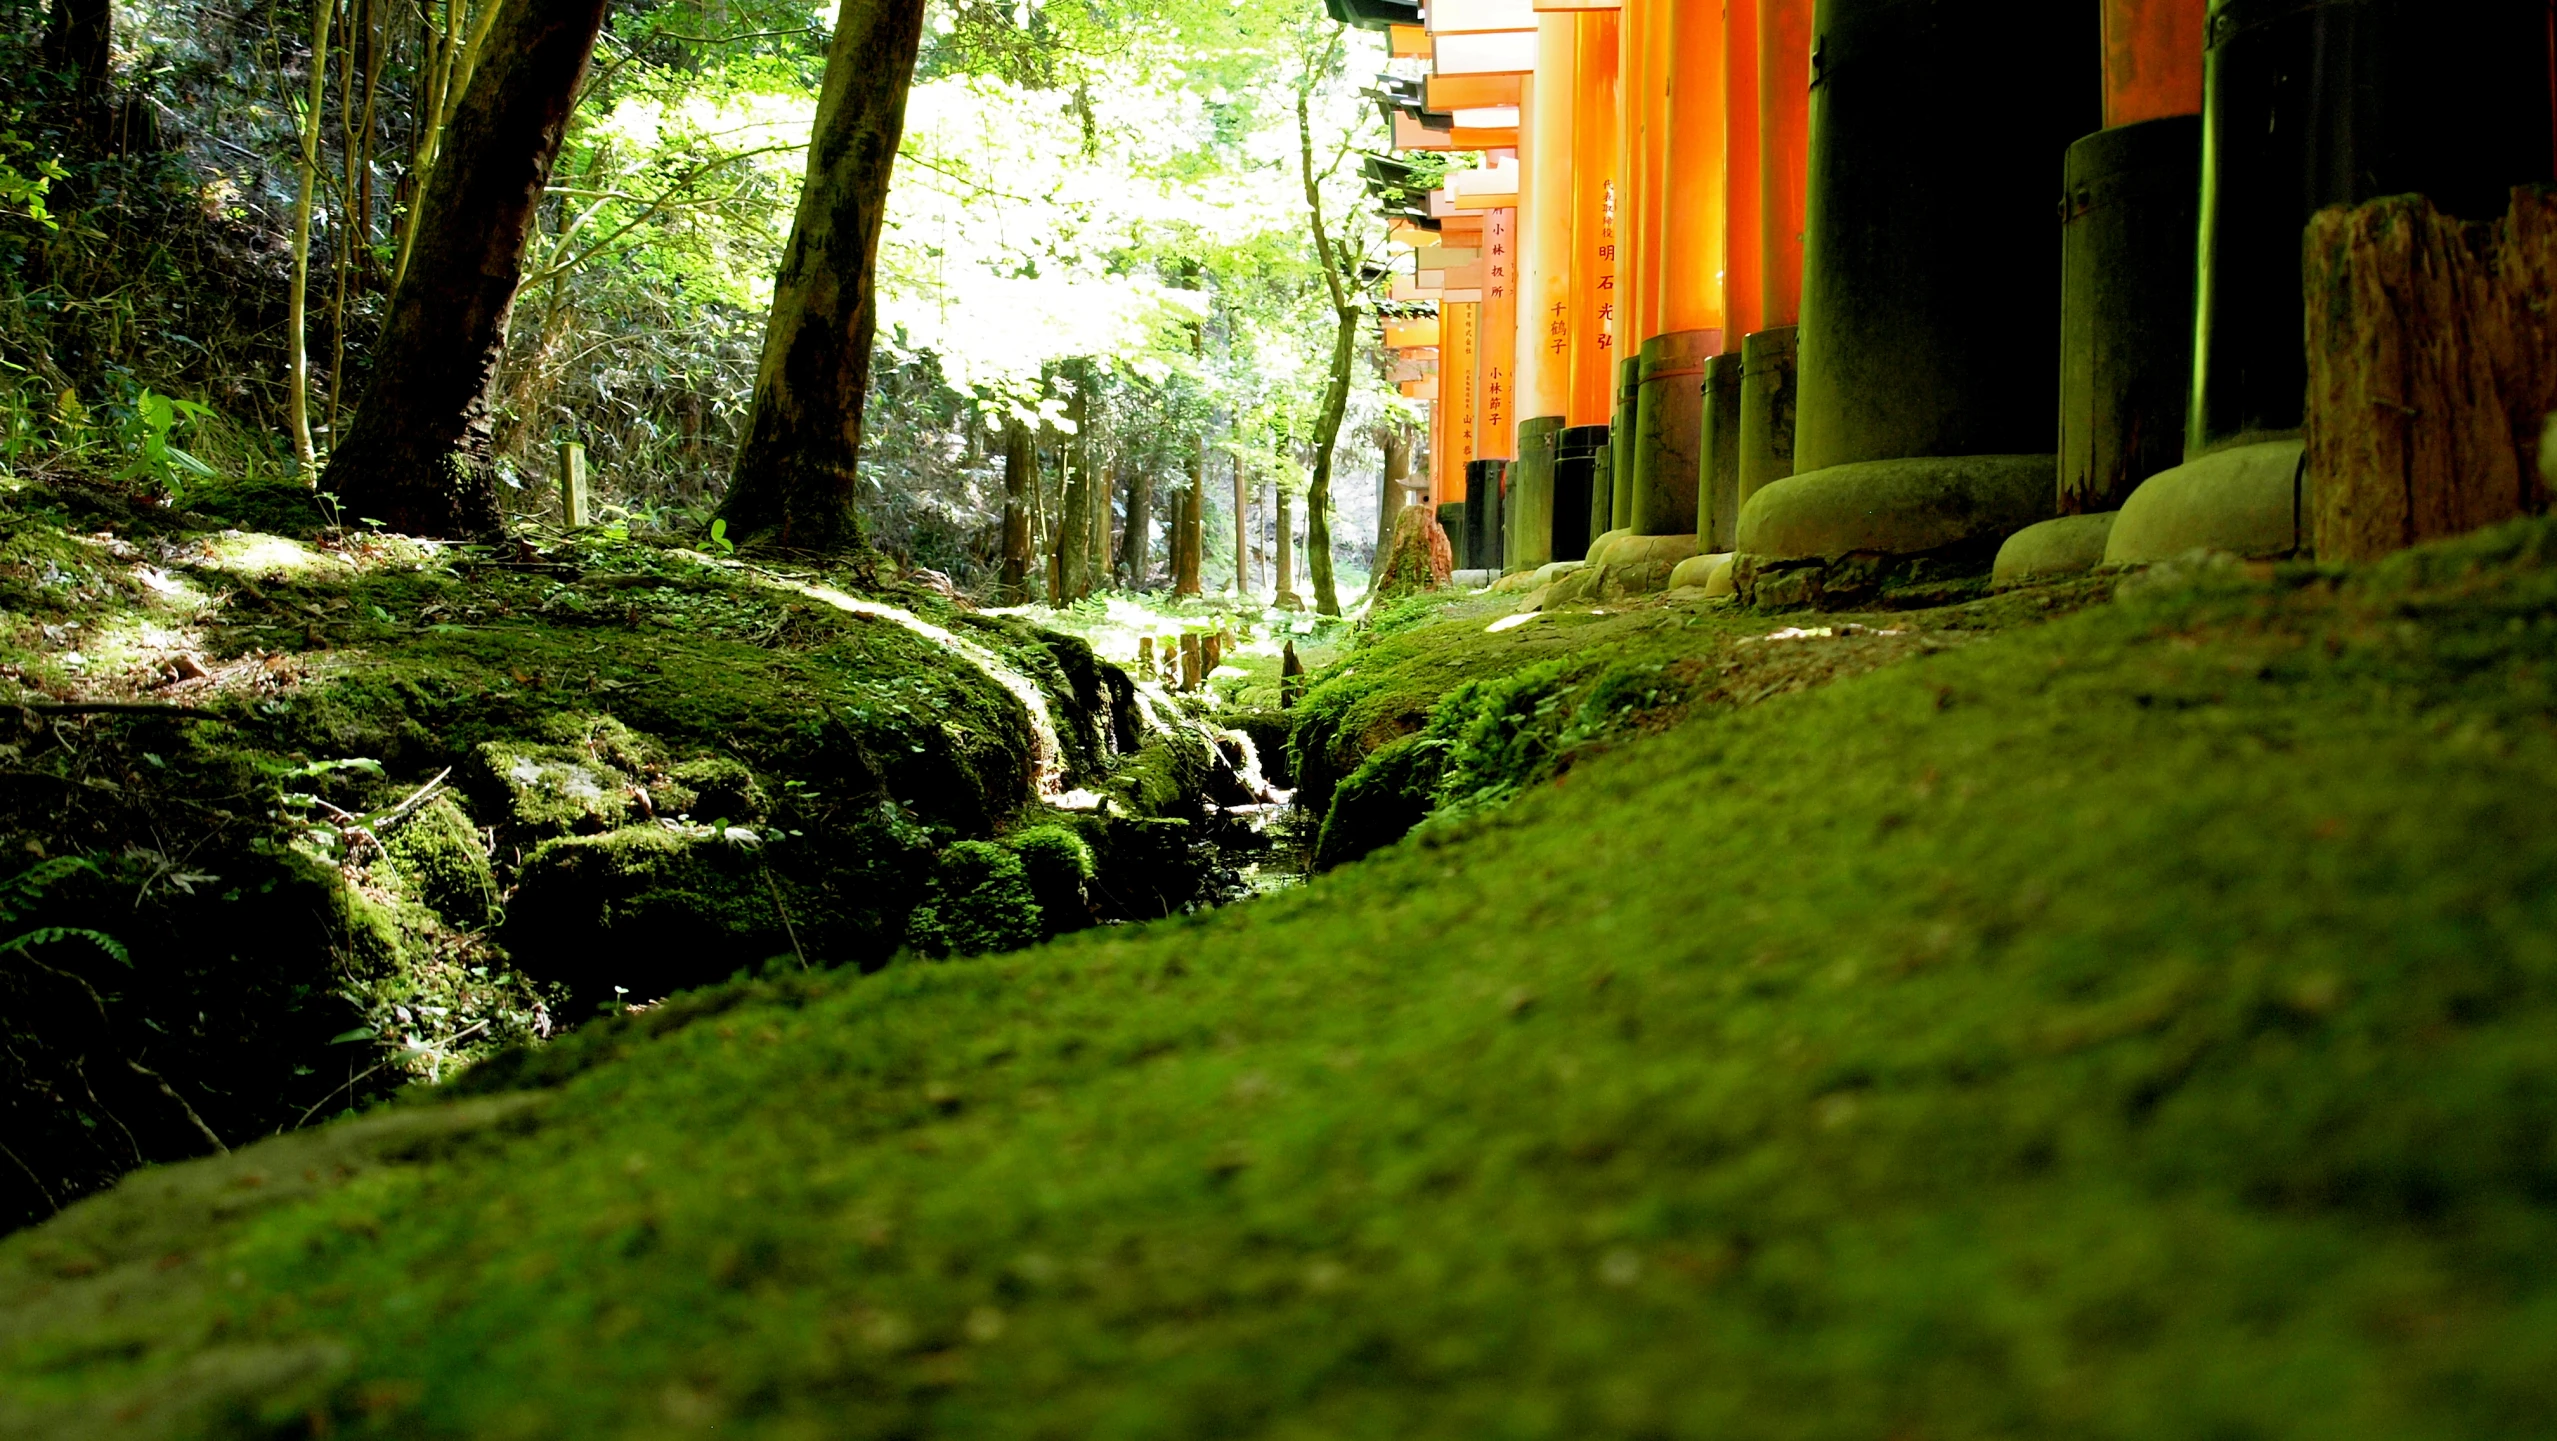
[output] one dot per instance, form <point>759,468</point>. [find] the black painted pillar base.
<point>2129,216</point>
<point>1767,394</point>
<point>1718,457</point>
<point>1669,425</point>
<point>1580,503</point>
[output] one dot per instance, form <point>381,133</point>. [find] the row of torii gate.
<point>1856,288</point>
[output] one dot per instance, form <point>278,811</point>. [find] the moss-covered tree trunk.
<point>417,458</point>
<point>1020,498</point>
<point>796,478</point>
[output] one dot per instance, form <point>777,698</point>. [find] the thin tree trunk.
<point>1286,597</point>
<point>1020,498</point>
<point>1327,428</point>
<point>1242,533</point>
<point>1097,539</point>
<point>297,389</point>
<point>1136,542</point>
<point>1189,528</point>
<point>796,474</point>
<point>1318,490</point>
<point>350,224</point>
<point>1074,491</point>
<point>1051,508</point>
<point>79,38</point>
<point>377,47</point>
<point>417,458</point>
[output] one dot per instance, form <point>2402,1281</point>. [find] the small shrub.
<point>979,901</point>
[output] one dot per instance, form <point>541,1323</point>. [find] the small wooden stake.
<point>572,484</point>
<point>1190,671</point>
<point>1145,656</point>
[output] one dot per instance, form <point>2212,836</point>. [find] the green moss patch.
<point>2138,1026</point>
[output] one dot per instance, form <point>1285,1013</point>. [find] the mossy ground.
<point>656,769</point>
<point>2140,1025</point>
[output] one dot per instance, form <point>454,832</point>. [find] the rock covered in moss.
<point>442,864</point>
<point>717,786</point>
<point>1391,792</point>
<point>1057,864</point>
<point>648,909</point>
<point>980,901</point>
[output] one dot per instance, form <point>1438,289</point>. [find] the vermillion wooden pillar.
<point>2152,59</point>
<point>1459,328</point>
<point>1744,288</point>
<point>1639,66</point>
<point>1928,424</point>
<point>1596,121</point>
<point>1548,176</point>
<point>1685,180</point>
<point>1744,232</point>
<point>1784,152</point>
<point>1931,284</point>
<point>2306,105</point>
<point>1764,449</point>
<point>1496,371</point>
<point>1543,394</point>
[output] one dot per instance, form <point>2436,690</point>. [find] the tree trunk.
<point>1337,266</point>
<point>79,38</point>
<point>1098,542</point>
<point>297,293</point>
<point>1136,542</point>
<point>1391,495</point>
<point>1242,534</point>
<point>1286,597</point>
<point>1020,498</point>
<point>1074,492</point>
<point>1189,528</point>
<point>1318,491</point>
<point>797,472</point>
<point>417,458</point>
<point>2428,375</point>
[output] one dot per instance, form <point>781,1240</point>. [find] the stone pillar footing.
<point>2244,500</point>
<point>2053,550</point>
<point>1919,531</point>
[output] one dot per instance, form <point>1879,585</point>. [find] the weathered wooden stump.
<point>1190,669</point>
<point>1420,558</point>
<point>2432,358</point>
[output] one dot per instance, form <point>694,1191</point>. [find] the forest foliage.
<point>1088,191</point>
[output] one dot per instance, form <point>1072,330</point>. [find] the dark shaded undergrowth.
<point>2137,1026</point>
<point>373,809</point>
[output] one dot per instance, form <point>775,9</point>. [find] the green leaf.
<point>47,935</point>
<point>360,1033</point>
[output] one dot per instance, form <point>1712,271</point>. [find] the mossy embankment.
<point>359,810</point>
<point>1448,704</point>
<point>2143,1025</point>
